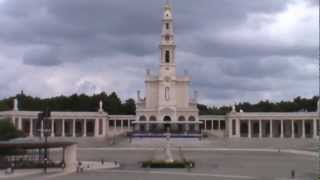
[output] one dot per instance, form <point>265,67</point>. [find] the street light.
<point>43,119</point>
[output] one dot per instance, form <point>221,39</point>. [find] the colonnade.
<point>62,127</point>
<point>212,125</point>
<point>298,128</point>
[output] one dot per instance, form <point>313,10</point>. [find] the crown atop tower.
<point>167,11</point>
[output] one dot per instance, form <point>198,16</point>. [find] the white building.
<point>167,106</point>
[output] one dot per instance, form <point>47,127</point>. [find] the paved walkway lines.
<point>183,173</point>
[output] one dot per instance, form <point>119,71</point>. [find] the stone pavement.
<point>263,143</point>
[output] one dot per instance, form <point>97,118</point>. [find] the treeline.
<point>82,102</point>
<point>298,104</point>
<point>113,105</point>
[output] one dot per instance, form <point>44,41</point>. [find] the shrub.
<point>165,164</point>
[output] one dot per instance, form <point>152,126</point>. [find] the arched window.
<point>167,93</point>
<point>191,118</point>
<point>167,26</point>
<point>167,118</point>
<point>167,57</point>
<point>152,118</point>
<point>142,118</point>
<point>181,118</point>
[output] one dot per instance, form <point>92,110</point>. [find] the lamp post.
<point>43,118</point>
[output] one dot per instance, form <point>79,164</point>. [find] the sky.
<point>235,51</point>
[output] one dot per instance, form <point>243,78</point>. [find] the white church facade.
<point>168,108</point>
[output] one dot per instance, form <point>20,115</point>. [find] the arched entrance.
<point>167,125</point>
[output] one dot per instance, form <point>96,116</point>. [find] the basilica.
<point>168,107</point>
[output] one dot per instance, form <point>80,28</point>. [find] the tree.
<point>8,131</point>
<point>129,107</point>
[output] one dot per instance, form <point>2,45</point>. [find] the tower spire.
<point>167,43</point>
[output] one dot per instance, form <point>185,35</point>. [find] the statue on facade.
<point>100,106</point>
<point>15,104</point>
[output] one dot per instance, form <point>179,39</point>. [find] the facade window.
<point>181,118</point>
<point>167,26</point>
<point>167,93</point>
<point>167,56</point>
<point>191,118</point>
<point>152,118</point>
<point>142,118</point>
<point>167,118</point>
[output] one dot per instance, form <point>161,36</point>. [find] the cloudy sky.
<point>239,50</point>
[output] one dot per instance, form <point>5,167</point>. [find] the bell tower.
<point>167,44</point>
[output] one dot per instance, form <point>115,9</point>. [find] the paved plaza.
<point>216,160</point>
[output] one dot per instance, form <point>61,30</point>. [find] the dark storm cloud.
<point>42,56</point>
<point>99,28</point>
<point>122,37</point>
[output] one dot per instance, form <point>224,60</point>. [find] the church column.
<point>249,129</point>
<point>84,133</point>
<point>31,127</point>
<point>63,128</point>
<point>303,129</point>
<point>271,128</point>
<point>52,127</point>
<point>74,128</point>
<point>260,129</point>
<point>314,128</point>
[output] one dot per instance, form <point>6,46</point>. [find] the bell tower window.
<point>166,93</point>
<point>167,57</point>
<point>167,26</point>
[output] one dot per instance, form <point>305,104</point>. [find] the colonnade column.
<point>74,128</point>
<point>13,120</point>
<point>281,129</point>
<point>31,128</point>
<point>303,129</point>
<point>260,129</point>
<point>237,127</point>
<point>96,127</point>
<point>205,124</point>
<point>52,127</point>
<point>249,129</point>
<point>41,129</point>
<point>292,128</point>
<point>219,124</point>
<point>315,128</point>
<point>105,126</point>
<point>84,127</point>
<point>121,124</point>
<point>63,129</point>
<point>271,129</point>
<point>20,123</point>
